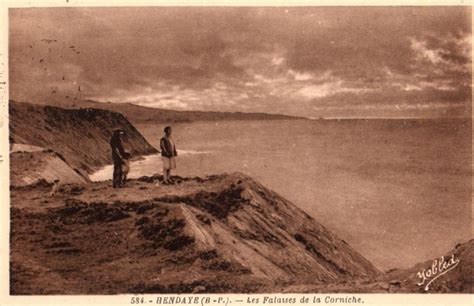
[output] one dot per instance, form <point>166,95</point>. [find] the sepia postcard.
<point>236,153</point>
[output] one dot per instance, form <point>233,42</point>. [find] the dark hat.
<point>118,132</point>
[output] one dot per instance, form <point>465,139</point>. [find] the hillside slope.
<point>45,166</point>
<point>459,279</point>
<point>224,233</point>
<point>141,114</point>
<point>81,136</point>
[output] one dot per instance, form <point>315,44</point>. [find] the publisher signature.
<point>438,268</point>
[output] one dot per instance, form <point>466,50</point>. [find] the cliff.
<point>79,136</point>
<point>224,233</point>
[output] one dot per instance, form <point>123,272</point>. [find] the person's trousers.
<point>117,176</point>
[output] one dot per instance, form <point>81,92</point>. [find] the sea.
<point>397,190</point>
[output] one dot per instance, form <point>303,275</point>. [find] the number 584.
<point>137,300</point>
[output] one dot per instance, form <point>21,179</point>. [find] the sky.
<point>305,61</point>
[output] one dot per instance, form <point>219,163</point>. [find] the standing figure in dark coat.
<point>168,153</point>
<point>118,154</point>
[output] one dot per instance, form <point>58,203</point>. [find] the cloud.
<point>277,61</point>
<point>305,76</point>
<point>434,56</point>
<point>243,59</point>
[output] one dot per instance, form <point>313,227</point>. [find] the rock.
<point>199,289</point>
<point>383,285</point>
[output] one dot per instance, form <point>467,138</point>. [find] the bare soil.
<point>222,233</point>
